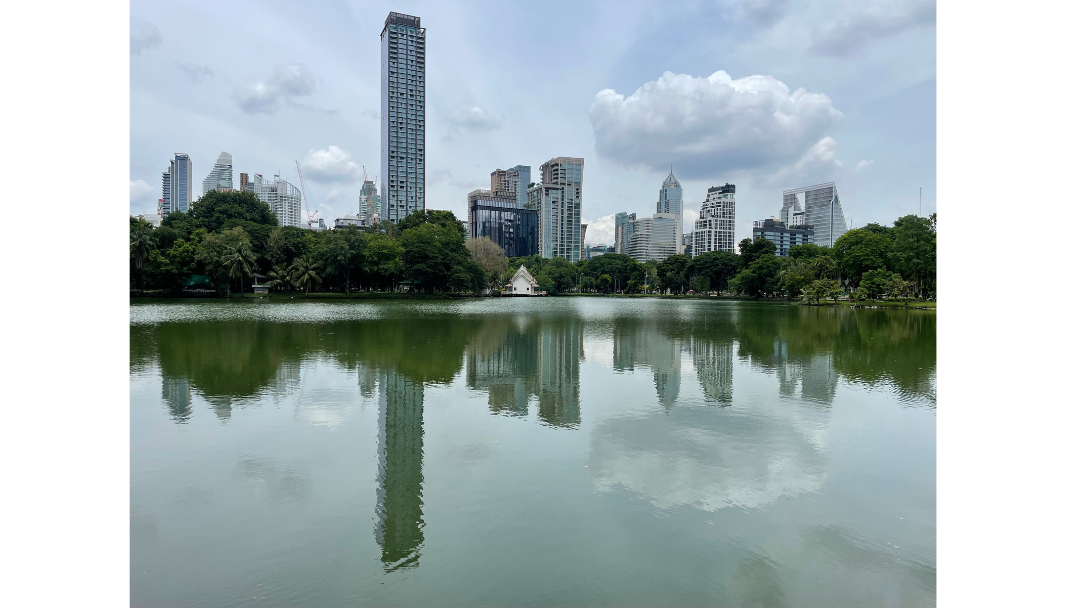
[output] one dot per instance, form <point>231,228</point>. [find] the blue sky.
<point>765,94</point>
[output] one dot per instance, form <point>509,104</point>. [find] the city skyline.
<point>862,110</point>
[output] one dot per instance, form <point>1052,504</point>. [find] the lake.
<point>567,451</point>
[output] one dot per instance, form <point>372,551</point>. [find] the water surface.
<point>548,452</point>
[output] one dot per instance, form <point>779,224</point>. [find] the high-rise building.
<point>497,215</point>
<point>245,183</point>
<point>654,238</point>
<point>282,197</point>
<point>558,199</point>
<point>714,230</point>
<point>624,227</point>
<point>403,53</point>
<point>670,202</point>
<point>220,176</point>
<point>370,205</point>
<point>582,249</point>
<point>399,503</point>
<point>514,180</point>
<point>821,206</point>
<point>783,236</point>
<point>176,185</point>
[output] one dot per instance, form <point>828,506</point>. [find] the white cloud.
<point>144,35</point>
<point>690,213</point>
<point>821,154</point>
<point>474,119</point>
<point>140,190</point>
<point>863,164</point>
<point>331,165</point>
<point>710,125</point>
<point>874,21</point>
<point>255,96</point>
<point>601,231</point>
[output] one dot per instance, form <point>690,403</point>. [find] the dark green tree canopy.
<point>215,209</point>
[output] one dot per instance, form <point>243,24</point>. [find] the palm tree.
<point>142,242</point>
<point>240,262</point>
<point>304,273</point>
<point>279,277</point>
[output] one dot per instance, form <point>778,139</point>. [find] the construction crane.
<point>311,217</point>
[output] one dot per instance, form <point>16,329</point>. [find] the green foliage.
<point>821,288</point>
<point>751,251</point>
<point>491,258</point>
<point>432,252</point>
<point>304,272</point>
<point>860,250</point>
<point>877,282</point>
<point>217,211</point>
<point>718,267</point>
<point>383,264</point>
<point>701,284</point>
<point>672,273</point>
<point>759,279</point>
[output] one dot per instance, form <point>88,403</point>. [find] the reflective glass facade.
<point>221,175</point>
<point>403,112</point>
<point>823,212</point>
<point>497,216</point>
<point>782,236</point>
<point>176,185</point>
<point>558,199</point>
<point>670,202</point>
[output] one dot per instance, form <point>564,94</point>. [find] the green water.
<point>548,452</point>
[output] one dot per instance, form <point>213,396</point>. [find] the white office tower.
<point>558,199</point>
<point>370,205</point>
<point>220,177</point>
<point>714,229</point>
<point>820,207</point>
<point>282,197</point>
<point>402,81</point>
<point>671,203</point>
<point>654,238</point>
<point>176,185</point>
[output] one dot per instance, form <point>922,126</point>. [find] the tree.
<point>717,266</point>
<point>860,250</point>
<point>218,210</point>
<point>383,260</point>
<point>279,277</point>
<point>490,257</point>
<point>240,262</point>
<point>759,279</point>
<point>604,282</point>
<point>142,243</point>
<point>701,284</point>
<point>303,272</point>
<point>213,251</point>
<point>672,273</point>
<point>914,252</point>
<point>432,252</point>
<point>877,282</point>
<point>750,251</point>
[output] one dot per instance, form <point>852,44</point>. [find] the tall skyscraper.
<point>245,183</point>
<point>624,227</point>
<point>403,52</point>
<point>558,199</point>
<point>282,197</point>
<point>714,229</point>
<point>370,205</point>
<point>822,211</point>
<point>176,185</point>
<point>670,202</point>
<point>514,181</point>
<point>220,176</point>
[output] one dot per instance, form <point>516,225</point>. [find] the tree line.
<point>228,237</point>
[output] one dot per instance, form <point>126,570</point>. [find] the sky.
<point>765,94</point>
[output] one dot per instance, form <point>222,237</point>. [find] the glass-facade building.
<point>403,111</point>
<point>624,227</point>
<point>821,206</point>
<point>370,205</point>
<point>176,185</point>
<point>282,197</point>
<point>783,236</point>
<point>558,199</point>
<point>714,230</point>
<point>670,202</point>
<point>654,238</point>
<point>498,216</point>
<point>220,176</point>
<point>514,180</point>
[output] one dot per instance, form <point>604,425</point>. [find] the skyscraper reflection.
<point>176,392</point>
<point>541,358</point>
<point>714,363</point>
<point>400,502</point>
<point>641,342</point>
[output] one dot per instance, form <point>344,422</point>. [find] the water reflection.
<point>518,360</point>
<point>400,497</point>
